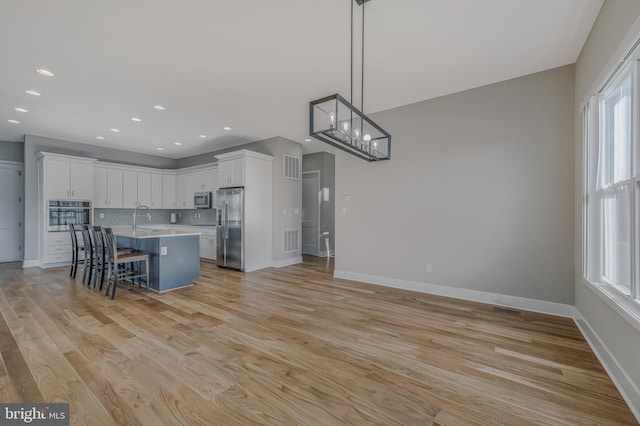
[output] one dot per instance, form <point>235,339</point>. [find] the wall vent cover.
<point>291,167</point>
<point>290,240</point>
<point>508,311</point>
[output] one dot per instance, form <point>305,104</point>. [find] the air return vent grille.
<point>290,240</point>
<point>291,167</point>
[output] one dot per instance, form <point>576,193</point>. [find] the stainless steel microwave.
<point>202,200</point>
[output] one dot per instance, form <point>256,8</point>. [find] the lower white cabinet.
<point>208,244</point>
<point>57,247</point>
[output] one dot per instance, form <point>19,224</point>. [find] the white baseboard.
<point>626,387</point>
<point>553,308</point>
<point>31,263</point>
<point>286,262</point>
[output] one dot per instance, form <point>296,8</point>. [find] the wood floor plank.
<point>291,346</point>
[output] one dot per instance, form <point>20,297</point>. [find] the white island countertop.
<point>151,232</point>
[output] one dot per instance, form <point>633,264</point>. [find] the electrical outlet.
<point>101,215</point>
<point>163,251</point>
<point>427,268</point>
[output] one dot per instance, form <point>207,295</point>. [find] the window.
<point>611,184</point>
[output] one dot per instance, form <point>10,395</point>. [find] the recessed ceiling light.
<point>177,143</point>
<point>115,130</point>
<point>45,72</point>
<point>307,140</point>
<point>100,137</point>
<point>32,92</point>
<point>21,109</point>
<point>136,119</point>
<point>159,107</point>
<point>227,128</point>
<point>202,136</point>
<point>160,149</point>
<point>13,121</point>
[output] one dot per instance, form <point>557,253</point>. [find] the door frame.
<point>317,173</point>
<point>21,207</point>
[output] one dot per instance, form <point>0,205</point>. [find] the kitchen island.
<point>174,255</point>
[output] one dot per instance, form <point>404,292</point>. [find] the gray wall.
<point>287,193</point>
<point>12,151</point>
<point>480,186</point>
<point>35,144</point>
<point>620,338</point>
<point>325,164</point>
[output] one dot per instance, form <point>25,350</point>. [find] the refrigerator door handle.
<point>225,230</point>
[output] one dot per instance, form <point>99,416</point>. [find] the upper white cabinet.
<point>185,184</point>
<point>136,189</point>
<point>122,186</point>
<point>144,189</point>
<point>169,192</point>
<point>231,172</point>
<point>107,188</point>
<point>67,178</point>
<point>156,191</point>
<point>203,181</point>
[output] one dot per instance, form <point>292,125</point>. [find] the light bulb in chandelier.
<point>366,142</point>
<point>332,120</point>
<point>345,129</point>
<point>356,134</point>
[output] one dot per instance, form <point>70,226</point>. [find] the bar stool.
<point>98,255</point>
<point>118,260</point>
<point>88,255</point>
<point>75,251</point>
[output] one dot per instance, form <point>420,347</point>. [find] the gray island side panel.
<point>178,268</point>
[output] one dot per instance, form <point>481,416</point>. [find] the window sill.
<point>626,307</point>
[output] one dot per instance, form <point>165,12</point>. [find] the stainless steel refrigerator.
<point>230,228</point>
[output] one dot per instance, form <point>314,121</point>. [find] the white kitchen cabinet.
<point>136,189</point>
<point>68,179</point>
<point>169,192</point>
<point>231,172</point>
<point>129,189</point>
<point>203,181</point>
<point>156,191</point>
<point>208,244</point>
<point>185,183</point>
<point>107,191</point>
<point>144,189</point>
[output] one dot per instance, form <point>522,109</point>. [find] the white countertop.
<point>151,232</point>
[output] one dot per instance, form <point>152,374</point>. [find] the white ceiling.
<point>254,65</point>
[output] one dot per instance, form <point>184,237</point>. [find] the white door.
<point>10,175</point>
<point>310,212</point>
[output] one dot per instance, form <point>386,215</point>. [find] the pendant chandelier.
<point>335,121</point>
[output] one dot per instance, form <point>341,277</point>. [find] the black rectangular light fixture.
<point>335,121</point>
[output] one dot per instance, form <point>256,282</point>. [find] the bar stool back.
<point>88,255</point>
<point>75,251</point>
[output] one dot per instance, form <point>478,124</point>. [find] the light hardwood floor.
<point>291,346</point>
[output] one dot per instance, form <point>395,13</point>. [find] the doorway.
<point>310,212</point>
<point>10,209</point>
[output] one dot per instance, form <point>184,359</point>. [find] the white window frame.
<point>628,305</point>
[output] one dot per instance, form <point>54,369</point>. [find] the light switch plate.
<point>163,251</point>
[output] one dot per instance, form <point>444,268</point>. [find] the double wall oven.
<point>60,213</point>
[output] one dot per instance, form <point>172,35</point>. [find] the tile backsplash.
<point>117,217</point>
